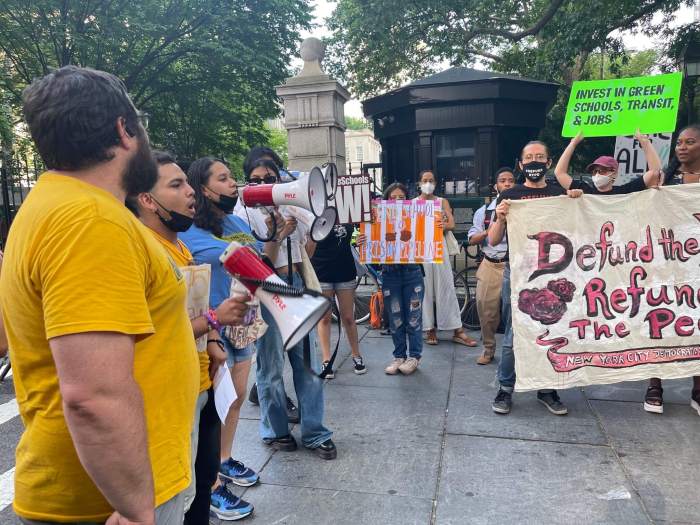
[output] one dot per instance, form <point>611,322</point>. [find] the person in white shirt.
<point>489,276</point>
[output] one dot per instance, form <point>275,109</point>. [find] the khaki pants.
<point>489,279</point>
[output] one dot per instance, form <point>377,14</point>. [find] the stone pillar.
<point>314,113</point>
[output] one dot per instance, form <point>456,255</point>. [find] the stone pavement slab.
<point>499,481</point>
<point>660,453</point>
<point>278,505</point>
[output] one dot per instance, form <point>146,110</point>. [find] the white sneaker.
<point>393,367</point>
<point>409,366</point>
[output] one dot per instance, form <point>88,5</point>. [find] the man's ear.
<point>146,202</point>
<point>549,163</point>
<point>126,134</point>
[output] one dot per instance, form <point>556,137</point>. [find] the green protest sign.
<point>610,108</point>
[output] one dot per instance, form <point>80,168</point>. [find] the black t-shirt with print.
<point>333,260</point>
<point>522,192</point>
<point>632,186</point>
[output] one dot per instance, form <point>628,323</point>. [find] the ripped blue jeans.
<point>402,285</point>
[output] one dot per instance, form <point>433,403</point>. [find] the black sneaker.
<point>360,367</point>
<point>326,450</point>
<point>329,374</point>
<point>503,402</point>
<point>253,396</point>
<point>552,402</point>
<point>284,443</point>
<point>292,412</point>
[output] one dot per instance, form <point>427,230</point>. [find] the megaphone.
<point>295,312</point>
<point>319,227</point>
<point>308,193</point>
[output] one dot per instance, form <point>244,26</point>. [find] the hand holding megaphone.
<point>295,311</point>
<point>319,227</point>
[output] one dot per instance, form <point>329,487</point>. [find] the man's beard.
<point>142,170</point>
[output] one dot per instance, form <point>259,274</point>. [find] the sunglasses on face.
<point>267,179</point>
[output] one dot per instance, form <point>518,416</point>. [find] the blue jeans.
<point>308,386</point>
<point>506,366</point>
<point>403,290</point>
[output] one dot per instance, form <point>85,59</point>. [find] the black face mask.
<point>177,222</point>
<point>226,202</point>
<point>534,171</point>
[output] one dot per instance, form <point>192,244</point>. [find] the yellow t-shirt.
<point>78,261</point>
<point>182,257</point>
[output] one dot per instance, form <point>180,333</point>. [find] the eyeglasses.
<point>267,179</point>
<point>143,118</point>
<point>603,171</point>
<point>540,157</point>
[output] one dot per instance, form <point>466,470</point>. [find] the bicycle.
<point>465,288</point>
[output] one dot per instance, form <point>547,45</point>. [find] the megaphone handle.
<point>290,276</point>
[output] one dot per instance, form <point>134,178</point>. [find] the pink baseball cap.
<point>605,162</point>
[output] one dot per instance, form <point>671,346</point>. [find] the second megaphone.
<point>295,312</point>
<point>308,193</point>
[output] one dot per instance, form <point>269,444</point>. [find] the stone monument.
<point>314,113</point>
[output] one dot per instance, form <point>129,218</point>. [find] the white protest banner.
<point>197,280</point>
<point>403,232</point>
<point>605,288</point>
<point>353,197</point>
<point>631,158</point>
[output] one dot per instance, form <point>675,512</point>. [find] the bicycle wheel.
<point>366,286</point>
<point>465,287</point>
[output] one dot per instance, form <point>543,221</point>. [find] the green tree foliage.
<point>354,123</point>
<point>377,45</point>
<point>278,142</point>
<point>205,70</point>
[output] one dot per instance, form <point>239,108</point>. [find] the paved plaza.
<point>427,449</point>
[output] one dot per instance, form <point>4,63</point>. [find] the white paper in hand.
<point>224,392</point>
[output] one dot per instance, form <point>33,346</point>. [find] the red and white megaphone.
<point>319,227</point>
<point>308,193</point>
<point>295,315</point>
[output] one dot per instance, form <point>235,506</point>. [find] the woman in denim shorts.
<point>335,267</point>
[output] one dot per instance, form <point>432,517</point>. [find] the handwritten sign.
<point>609,108</point>
<point>631,157</point>
<point>404,232</point>
<point>353,199</point>
<point>606,288</point>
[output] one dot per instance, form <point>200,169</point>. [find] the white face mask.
<point>428,188</point>
<point>601,181</point>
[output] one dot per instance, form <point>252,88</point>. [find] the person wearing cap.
<point>604,171</point>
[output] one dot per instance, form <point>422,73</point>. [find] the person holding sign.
<point>684,168</point>
<point>402,285</point>
<point>439,281</point>
<point>534,163</point>
<point>604,171</point>
<point>334,265</point>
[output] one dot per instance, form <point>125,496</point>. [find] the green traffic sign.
<point>610,108</point>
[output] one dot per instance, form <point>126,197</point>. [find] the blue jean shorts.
<point>238,355</point>
<point>344,285</point>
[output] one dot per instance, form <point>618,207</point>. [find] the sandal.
<point>695,401</point>
<point>463,339</point>
<point>431,338</point>
<point>654,401</point>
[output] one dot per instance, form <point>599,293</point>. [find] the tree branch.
<point>515,37</point>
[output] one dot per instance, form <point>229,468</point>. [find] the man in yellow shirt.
<point>104,360</point>
<point>168,209</point>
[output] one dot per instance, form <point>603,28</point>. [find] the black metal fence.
<point>17,178</point>
<point>374,170</point>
